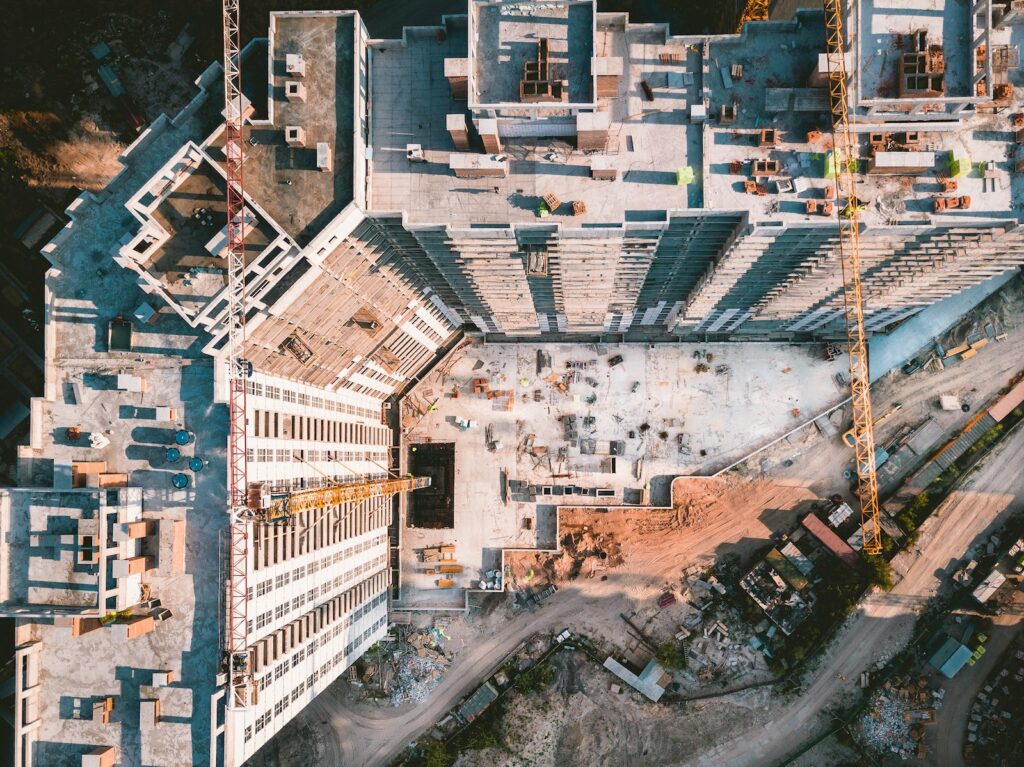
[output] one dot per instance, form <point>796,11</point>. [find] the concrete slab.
<point>507,36</point>
<point>894,349</point>
<point>647,142</point>
<point>84,291</point>
<point>695,423</point>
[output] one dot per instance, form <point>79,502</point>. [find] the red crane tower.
<point>238,584</point>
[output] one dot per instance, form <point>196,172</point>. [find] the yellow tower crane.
<point>280,509</point>
<point>755,10</point>
<point>845,159</point>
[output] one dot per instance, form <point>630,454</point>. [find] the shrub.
<point>536,679</point>
<point>879,571</point>
<point>671,656</point>
<point>436,755</point>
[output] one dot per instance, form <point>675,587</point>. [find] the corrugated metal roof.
<point>1006,404</point>
<point>989,586</point>
<point>830,540</point>
<point>647,682</point>
<point>956,662</point>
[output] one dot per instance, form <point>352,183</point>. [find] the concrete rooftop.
<point>193,215</point>
<point>506,35</point>
<point>285,179</point>
<point>83,292</point>
<point>885,28</point>
<point>648,143</point>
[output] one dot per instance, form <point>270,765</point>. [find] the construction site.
<point>386,373</point>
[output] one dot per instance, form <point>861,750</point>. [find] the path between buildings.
<point>885,620</point>
<point>358,735</point>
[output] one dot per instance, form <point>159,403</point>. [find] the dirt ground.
<point>645,540</point>
<point>829,752</point>
<point>60,129</point>
<point>579,720</point>
<point>820,461</point>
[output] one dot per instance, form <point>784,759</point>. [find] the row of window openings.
<point>283,579</point>
<point>268,423</point>
<point>257,389</point>
<point>279,544</point>
<point>308,650</point>
<point>280,706</point>
<point>288,607</point>
<point>270,455</point>
<point>305,483</point>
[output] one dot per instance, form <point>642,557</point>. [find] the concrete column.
<point>488,129</point>
<point>295,136</point>
<point>456,71</point>
<point>459,132</point>
<point>592,130</point>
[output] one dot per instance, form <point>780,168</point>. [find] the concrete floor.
<point>724,415</point>
<point>508,37</point>
<point>83,668</point>
<point>284,179</point>
<point>84,291</point>
<point>948,23</point>
<point>648,142</point>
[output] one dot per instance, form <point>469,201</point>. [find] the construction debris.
<point>898,714</point>
<point>419,667</point>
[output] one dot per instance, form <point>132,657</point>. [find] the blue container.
<point>183,437</point>
<point>173,455</point>
<point>196,464</point>
<point>180,481</point>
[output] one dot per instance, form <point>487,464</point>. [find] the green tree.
<point>536,679</point>
<point>879,571</point>
<point>671,656</point>
<point>436,755</point>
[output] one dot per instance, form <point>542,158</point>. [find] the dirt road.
<point>976,381</point>
<point>884,621</point>
<point>359,735</point>
<point>951,722</point>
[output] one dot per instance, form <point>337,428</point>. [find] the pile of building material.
<point>419,667</point>
<point>899,714</point>
<point>583,552</point>
<point>717,655</point>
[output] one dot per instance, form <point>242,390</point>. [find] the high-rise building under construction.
<point>527,171</point>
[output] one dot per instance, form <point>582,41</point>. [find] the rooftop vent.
<point>295,65</point>
<point>295,91</point>
<point>294,136</point>
<point>324,161</point>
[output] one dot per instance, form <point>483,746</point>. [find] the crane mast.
<point>241,516</point>
<point>845,157</point>
<point>239,670</point>
<point>753,10</point>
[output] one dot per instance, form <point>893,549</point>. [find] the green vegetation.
<point>836,596</point>
<point>537,679</point>
<point>915,512</point>
<point>436,755</point>
<point>671,656</point>
<point>879,571</point>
